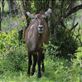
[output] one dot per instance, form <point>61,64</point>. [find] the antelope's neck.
<point>40,36</point>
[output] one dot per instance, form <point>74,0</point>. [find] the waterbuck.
<point>36,34</point>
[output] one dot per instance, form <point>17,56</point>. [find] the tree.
<point>12,7</point>
<point>41,5</point>
<point>2,8</point>
<point>0,19</point>
<point>27,7</point>
<point>63,35</point>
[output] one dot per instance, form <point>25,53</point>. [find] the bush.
<point>15,60</point>
<point>12,56</point>
<point>8,40</point>
<point>64,45</point>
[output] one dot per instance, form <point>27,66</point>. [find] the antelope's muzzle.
<point>40,29</point>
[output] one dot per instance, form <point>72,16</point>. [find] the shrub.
<point>15,60</point>
<point>8,40</point>
<point>64,45</point>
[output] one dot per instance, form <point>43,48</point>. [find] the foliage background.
<point>63,52</point>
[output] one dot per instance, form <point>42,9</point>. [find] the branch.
<point>69,12</point>
<point>74,26</point>
<point>62,23</point>
<point>73,10</point>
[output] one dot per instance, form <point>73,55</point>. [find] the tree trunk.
<point>12,7</point>
<point>41,5</point>
<point>2,8</point>
<point>27,7</point>
<point>0,19</point>
<point>50,18</point>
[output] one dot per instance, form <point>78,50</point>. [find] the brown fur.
<point>34,42</point>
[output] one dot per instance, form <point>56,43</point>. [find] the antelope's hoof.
<point>28,73</point>
<point>39,75</point>
<point>43,70</point>
<point>32,73</point>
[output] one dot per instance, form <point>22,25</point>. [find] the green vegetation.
<point>63,53</point>
<point>13,65</point>
<point>57,70</point>
<point>9,23</point>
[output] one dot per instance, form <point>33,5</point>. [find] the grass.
<point>22,77</point>
<point>57,70</point>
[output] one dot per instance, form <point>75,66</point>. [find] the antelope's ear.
<point>47,13</point>
<point>30,15</point>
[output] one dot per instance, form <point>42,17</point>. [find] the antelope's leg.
<point>34,63</point>
<point>43,69</point>
<point>39,65</point>
<point>29,62</point>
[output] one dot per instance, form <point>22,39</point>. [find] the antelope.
<point>36,34</point>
